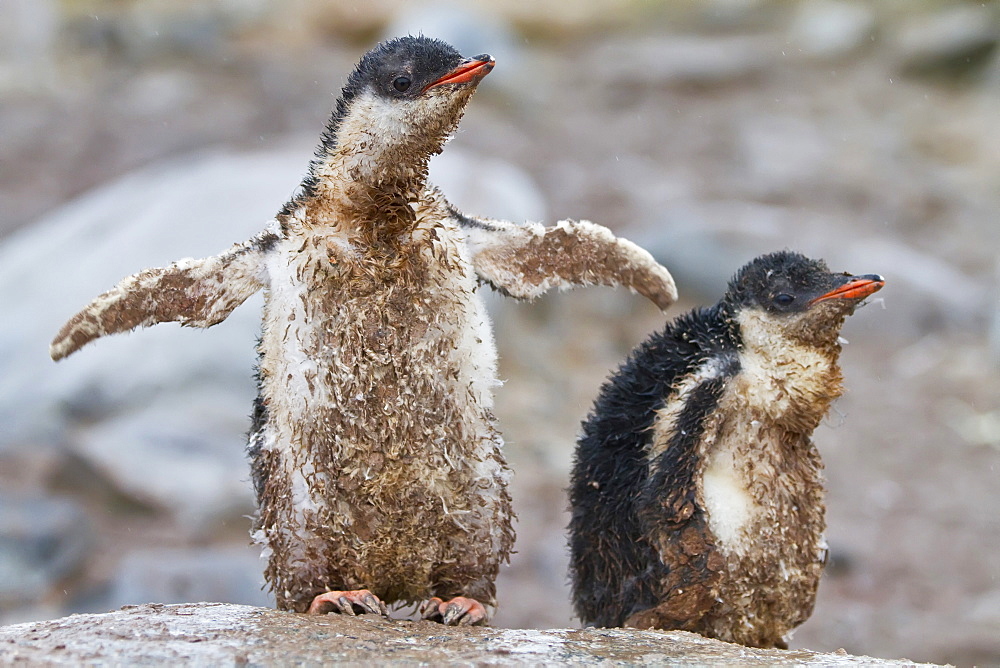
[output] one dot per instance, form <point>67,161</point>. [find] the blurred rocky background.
<point>868,133</point>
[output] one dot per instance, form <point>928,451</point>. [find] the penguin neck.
<point>357,168</point>
<point>371,194</point>
<point>791,381</point>
<point>371,172</point>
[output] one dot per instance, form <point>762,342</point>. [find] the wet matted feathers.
<point>697,495</point>
<point>375,455</point>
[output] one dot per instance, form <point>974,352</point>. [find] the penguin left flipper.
<point>196,293</point>
<point>526,260</point>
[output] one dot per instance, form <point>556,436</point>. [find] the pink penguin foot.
<point>459,611</point>
<point>359,601</point>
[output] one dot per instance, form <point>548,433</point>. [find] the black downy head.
<point>799,296</point>
<point>401,104</point>
<point>409,67</point>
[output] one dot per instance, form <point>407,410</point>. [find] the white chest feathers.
<point>783,379</point>
<point>757,470</point>
<point>726,498</point>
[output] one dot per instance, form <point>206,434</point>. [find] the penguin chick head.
<point>786,295</point>
<point>403,101</point>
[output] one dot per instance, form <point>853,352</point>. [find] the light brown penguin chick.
<point>374,451</point>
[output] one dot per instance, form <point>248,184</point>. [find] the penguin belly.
<point>762,495</point>
<point>378,464</point>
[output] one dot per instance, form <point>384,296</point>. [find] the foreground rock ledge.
<point>221,634</point>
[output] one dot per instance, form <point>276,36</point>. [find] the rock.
<point>41,540</point>
<point>183,453</point>
<point>994,333</point>
<point>781,153</point>
<point>221,634</point>
<point>721,15</point>
<point>28,31</point>
<point>953,41</point>
<point>931,279</point>
<point>831,28</point>
<point>159,30</point>
<point>675,60</point>
<point>487,186</point>
<point>183,208</point>
<point>230,574</point>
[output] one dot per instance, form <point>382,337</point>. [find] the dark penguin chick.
<point>374,451</point>
<point>697,495</point>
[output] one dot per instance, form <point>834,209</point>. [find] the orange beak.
<point>856,288</point>
<point>470,70</point>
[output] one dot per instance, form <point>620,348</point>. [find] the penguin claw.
<point>430,609</point>
<point>459,611</point>
<point>359,601</point>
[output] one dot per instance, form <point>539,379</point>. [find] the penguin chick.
<point>374,452</point>
<point>697,495</point>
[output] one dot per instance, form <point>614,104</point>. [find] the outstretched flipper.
<point>195,293</point>
<point>526,260</point>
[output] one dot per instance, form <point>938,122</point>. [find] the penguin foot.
<point>459,611</point>
<point>360,601</point>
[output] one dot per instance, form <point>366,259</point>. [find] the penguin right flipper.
<point>634,480</point>
<point>526,260</point>
<point>196,293</point>
<point>668,507</point>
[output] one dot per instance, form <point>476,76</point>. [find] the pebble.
<point>832,29</point>
<point>954,39</point>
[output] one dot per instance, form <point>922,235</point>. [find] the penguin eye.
<point>401,84</point>
<point>783,299</point>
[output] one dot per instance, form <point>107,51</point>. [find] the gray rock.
<point>719,15</point>
<point>995,320</point>
<point>951,41</point>
<point>183,453</point>
<point>220,634</point>
<point>487,186</point>
<point>683,60</point>
<point>781,153</point>
<point>190,207</point>
<point>229,574</point>
<point>831,28</point>
<point>153,30</point>
<point>42,539</point>
<point>28,32</point>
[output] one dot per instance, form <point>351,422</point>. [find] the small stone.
<point>832,28</point>
<point>954,41</point>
